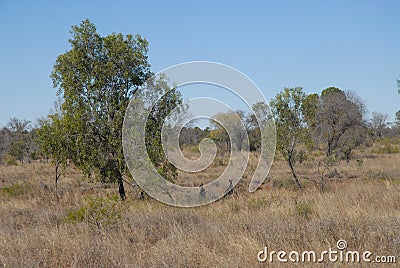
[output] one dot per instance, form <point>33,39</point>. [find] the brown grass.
<point>360,205</point>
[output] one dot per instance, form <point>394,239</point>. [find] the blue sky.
<point>353,45</point>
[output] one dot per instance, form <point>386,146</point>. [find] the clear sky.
<point>354,45</point>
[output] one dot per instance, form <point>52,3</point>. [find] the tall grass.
<point>88,227</point>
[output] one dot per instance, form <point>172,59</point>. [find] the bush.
<point>99,211</point>
<point>10,160</point>
<point>285,183</point>
<point>387,147</point>
<point>303,208</point>
<point>256,203</point>
<point>12,191</point>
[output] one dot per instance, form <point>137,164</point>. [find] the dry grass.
<point>360,205</point>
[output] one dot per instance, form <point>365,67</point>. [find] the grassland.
<point>85,225</point>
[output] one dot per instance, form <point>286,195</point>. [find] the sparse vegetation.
<point>90,226</point>
<point>386,146</point>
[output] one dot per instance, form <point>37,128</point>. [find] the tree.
<point>18,125</point>
<point>398,85</point>
<point>309,109</point>
<point>257,139</point>
<point>55,142</point>
<point>19,130</point>
<point>192,135</point>
<point>219,135</point>
<point>398,112</point>
<point>170,99</point>
<point>253,130</point>
<point>378,123</point>
<point>290,125</point>
<point>234,122</point>
<point>96,79</point>
<point>338,117</point>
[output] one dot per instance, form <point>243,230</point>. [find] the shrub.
<point>303,208</point>
<point>256,203</point>
<point>13,190</point>
<point>99,211</point>
<point>387,147</point>
<point>10,160</point>
<point>284,183</point>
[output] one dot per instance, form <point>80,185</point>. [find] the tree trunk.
<point>56,180</point>
<point>329,149</point>
<point>121,187</point>
<point>294,174</point>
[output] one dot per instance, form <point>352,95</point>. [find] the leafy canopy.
<point>96,79</point>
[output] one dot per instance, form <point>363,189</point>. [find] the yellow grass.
<point>361,205</point>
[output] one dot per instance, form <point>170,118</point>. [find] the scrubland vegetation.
<point>88,224</point>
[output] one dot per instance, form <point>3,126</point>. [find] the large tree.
<point>96,79</point>
<point>290,125</point>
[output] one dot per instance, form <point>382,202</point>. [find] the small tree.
<point>20,138</point>
<point>338,117</point>
<point>398,85</point>
<point>378,123</point>
<point>290,125</point>
<point>398,112</point>
<point>235,122</point>
<point>55,143</point>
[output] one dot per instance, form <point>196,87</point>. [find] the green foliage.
<point>13,190</point>
<point>303,208</point>
<point>54,140</point>
<point>331,90</point>
<point>301,156</point>
<point>235,207</point>
<point>387,147</point>
<point>99,211</point>
<point>193,149</point>
<point>257,203</point>
<point>10,160</point>
<point>309,108</point>
<point>171,99</point>
<point>289,120</point>
<point>287,109</point>
<point>285,183</point>
<point>96,79</point>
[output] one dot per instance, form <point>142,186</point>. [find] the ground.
<point>88,226</point>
